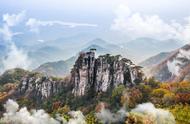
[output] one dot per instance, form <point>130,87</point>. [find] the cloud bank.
<point>140,25</point>
<point>35,24</point>
<point>22,116</point>
<point>155,115</point>
<point>14,19</point>
<point>15,57</point>
<point>107,117</point>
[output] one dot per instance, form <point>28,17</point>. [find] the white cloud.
<point>35,24</point>
<point>7,33</point>
<point>22,116</point>
<point>140,25</point>
<point>9,21</point>
<point>175,65</point>
<point>107,117</point>
<point>41,41</point>
<point>11,106</point>
<point>15,57</point>
<point>78,118</point>
<point>14,19</point>
<point>158,116</point>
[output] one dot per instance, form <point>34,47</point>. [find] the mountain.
<point>9,82</point>
<point>89,75</point>
<point>12,76</point>
<point>142,48</point>
<point>61,68</point>
<point>40,55</point>
<point>66,47</point>
<point>174,68</point>
<point>108,47</point>
<point>50,49</point>
<point>154,60</point>
<point>102,43</point>
<point>67,42</point>
<point>63,48</point>
<point>104,86</point>
<point>100,50</point>
<point>58,69</point>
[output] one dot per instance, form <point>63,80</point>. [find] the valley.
<point>94,62</point>
<point>103,89</point>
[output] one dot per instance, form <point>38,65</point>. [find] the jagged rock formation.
<point>91,74</point>
<point>36,85</point>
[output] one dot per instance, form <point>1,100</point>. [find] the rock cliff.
<point>88,75</point>
<point>38,86</point>
<point>91,74</point>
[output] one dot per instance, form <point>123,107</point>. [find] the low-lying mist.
<point>147,113</point>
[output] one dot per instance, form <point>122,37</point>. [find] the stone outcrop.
<point>40,86</point>
<point>91,74</point>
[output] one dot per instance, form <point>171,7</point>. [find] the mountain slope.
<point>175,67</point>
<point>142,48</point>
<point>154,60</point>
<point>88,75</point>
<point>58,68</point>
<point>108,48</point>
<point>62,68</point>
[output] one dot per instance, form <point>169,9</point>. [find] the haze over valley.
<point>94,62</point>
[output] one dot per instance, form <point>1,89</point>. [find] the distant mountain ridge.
<point>62,67</point>
<point>142,48</point>
<point>174,68</point>
<point>66,47</point>
<point>154,60</point>
<point>89,75</point>
<point>57,69</point>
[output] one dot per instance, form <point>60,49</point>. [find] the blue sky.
<point>102,13</point>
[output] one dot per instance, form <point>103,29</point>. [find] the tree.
<point>181,113</point>
<point>145,90</point>
<point>131,97</point>
<point>157,96</point>
<point>116,95</point>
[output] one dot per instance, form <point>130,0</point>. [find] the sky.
<point>105,17</point>
<point>30,22</point>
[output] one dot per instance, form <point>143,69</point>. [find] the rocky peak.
<point>38,86</point>
<point>91,74</point>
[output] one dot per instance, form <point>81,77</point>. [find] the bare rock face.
<point>39,86</point>
<point>91,74</point>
